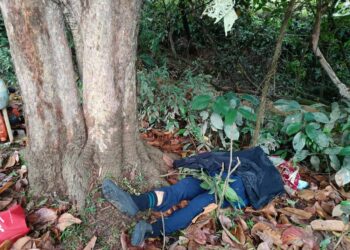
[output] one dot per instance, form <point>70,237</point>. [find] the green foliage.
<point>7,72</point>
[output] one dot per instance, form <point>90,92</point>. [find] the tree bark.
<point>343,89</point>
<point>71,146</point>
<point>272,70</point>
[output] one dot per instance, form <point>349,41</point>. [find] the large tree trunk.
<point>71,145</point>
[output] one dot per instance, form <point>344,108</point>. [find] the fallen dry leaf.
<point>283,219</point>
<point>168,160</point>
<point>320,211</point>
<point>242,223</point>
<point>123,241</point>
<point>306,194</point>
<point>329,225</point>
<point>22,243</point>
<point>267,232</point>
<point>91,244</point>
<point>297,236</point>
<point>42,216</point>
<point>238,232</point>
<point>301,214</point>
<point>337,211</point>
<point>13,159</point>
<point>6,245</point>
<point>264,246</point>
<point>45,242</point>
<point>211,207</point>
<point>226,239</point>
<point>5,202</point>
<point>66,220</point>
<point>6,184</point>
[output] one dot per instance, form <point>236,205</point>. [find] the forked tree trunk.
<point>72,145</point>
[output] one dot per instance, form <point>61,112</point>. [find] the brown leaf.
<point>238,232</point>
<point>242,223</point>
<point>329,225</point>
<point>306,194</point>
<point>226,239</point>
<point>269,210</point>
<point>66,220</point>
<point>91,243</point>
<point>5,186</point>
<point>301,214</point>
<point>283,219</point>
<point>5,202</point>
<point>267,232</point>
<point>319,210</point>
<point>42,216</point>
<point>298,236</point>
<point>211,207</point>
<point>13,159</point>
<point>45,242</point>
<point>123,241</point>
<point>23,243</point>
<point>6,245</point>
<point>225,221</point>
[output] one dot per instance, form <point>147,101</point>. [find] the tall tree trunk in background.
<point>343,89</point>
<point>71,146</point>
<point>272,70</point>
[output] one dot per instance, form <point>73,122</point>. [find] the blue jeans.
<point>189,189</point>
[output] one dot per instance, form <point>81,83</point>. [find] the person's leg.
<point>185,189</point>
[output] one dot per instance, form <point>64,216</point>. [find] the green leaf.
<point>231,131</point>
<point>204,115</point>
<point>311,132</point>
<point>247,114</point>
<point>322,139</point>
<point>293,118</point>
<point>230,116</point>
<point>321,117</point>
<point>308,116</point>
<point>345,151</point>
<point>200,102</point>
<point>334,161</point>
<point>300,155</point>
<point>221,106</point>
<point>287,105</point>
<point>299,141</point>
<point>315,162</point>
<point>332,151</point>
<point>216,121</point>
<point>252,99</point>
<point>294,128</point>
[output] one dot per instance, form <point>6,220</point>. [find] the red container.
<point>3,131</point>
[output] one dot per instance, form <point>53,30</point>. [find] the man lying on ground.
<point>256,181</point>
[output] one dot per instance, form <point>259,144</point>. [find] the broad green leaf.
<point>251,99</point>
<point>334,160</point>
<point>311,132</point>
<point>231,116</point>
<point>300,155</point>
<point>321,117</point>
<point>345,151</point>
<point>308,116</point>
<point>299,141</point>
<point>293,118</point>
<point>249,115</point>
<point>216,121</point>
<point>322,139</point>
<point>315,162</point>
<point>294,128</point>
<point>221,106</point>
<point>332,151</point>
<point>315,125</point>
<point>200,102</point>
<point>287,105</point>
<point>335,114</point>
<point>231,131</point>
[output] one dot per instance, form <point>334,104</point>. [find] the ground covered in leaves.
<point>306,219</point>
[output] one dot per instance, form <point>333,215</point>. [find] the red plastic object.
<point>12,224</point>
<point>289,174</point>
<point>3,131</point>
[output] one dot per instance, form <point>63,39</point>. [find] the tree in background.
<point>71,145</point>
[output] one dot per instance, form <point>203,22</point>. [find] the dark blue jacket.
<point>261,179</point>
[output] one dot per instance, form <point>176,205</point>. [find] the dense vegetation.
<point>198,82</point>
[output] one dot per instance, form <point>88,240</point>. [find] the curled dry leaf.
<point>124,241</point>
<point>168,160</point>
<point>211,207</point>
<point>329,225</point>
<point>306,194</point>
<point>301,214</point>
<point>264,246</point>
<point>225,221</point>
<point>66,220</point>
<point>6,245</point>
<point>283,219</point>
<point>238,232</point>
<point>242,223</point>
<point>267,232</point>
<point>226,239</point>
<point>320,211</point>
<point>42,216</point>
<point>13,159</point>
<point>91,244</point>
<point>5,202</point>
<point>298,236</point>
<point>23,243</point>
